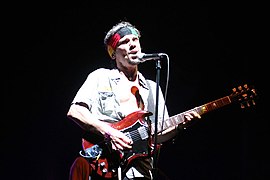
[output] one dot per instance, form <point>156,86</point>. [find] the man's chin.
<point>134,61</point>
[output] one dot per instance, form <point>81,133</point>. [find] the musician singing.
<point>115,108</point>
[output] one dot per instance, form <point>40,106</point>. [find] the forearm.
<point>167,135</point>
<point>85,120</point>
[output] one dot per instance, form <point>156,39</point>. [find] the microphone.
<point>147,57</point>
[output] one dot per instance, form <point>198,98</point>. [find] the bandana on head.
<point>111,46</point>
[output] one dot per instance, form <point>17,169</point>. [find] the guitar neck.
<point>180,118</point>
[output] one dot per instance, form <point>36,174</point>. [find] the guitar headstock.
<point>245,95</point>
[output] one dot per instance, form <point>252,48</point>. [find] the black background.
<point>213,46</point>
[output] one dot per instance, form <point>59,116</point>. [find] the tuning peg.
<point>245,95</point>
<point>254,92</point>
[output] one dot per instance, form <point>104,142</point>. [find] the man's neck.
<point>131,75</point>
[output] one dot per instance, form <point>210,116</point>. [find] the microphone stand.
<point>158,67</point>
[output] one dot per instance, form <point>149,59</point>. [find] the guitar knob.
<point>104,171</point>
<point>102,165</point>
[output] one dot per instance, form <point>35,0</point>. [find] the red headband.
<point>112,43</point>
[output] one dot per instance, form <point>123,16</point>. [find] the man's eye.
<point>122,42</point>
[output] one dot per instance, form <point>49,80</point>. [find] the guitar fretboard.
<point>180,118</point>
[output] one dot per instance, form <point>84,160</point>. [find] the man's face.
<point>127,49</point>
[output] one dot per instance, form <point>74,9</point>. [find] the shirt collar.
<point>115,77</point>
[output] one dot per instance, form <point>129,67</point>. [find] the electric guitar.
<point>105,160</point>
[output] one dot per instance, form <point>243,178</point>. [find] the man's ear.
<point>113,55</point>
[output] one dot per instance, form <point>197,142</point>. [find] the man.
<point>113,107</point>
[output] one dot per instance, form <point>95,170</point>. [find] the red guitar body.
<point>108,160</point>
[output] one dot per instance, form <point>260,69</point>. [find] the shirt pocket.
<point>107,102</point>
